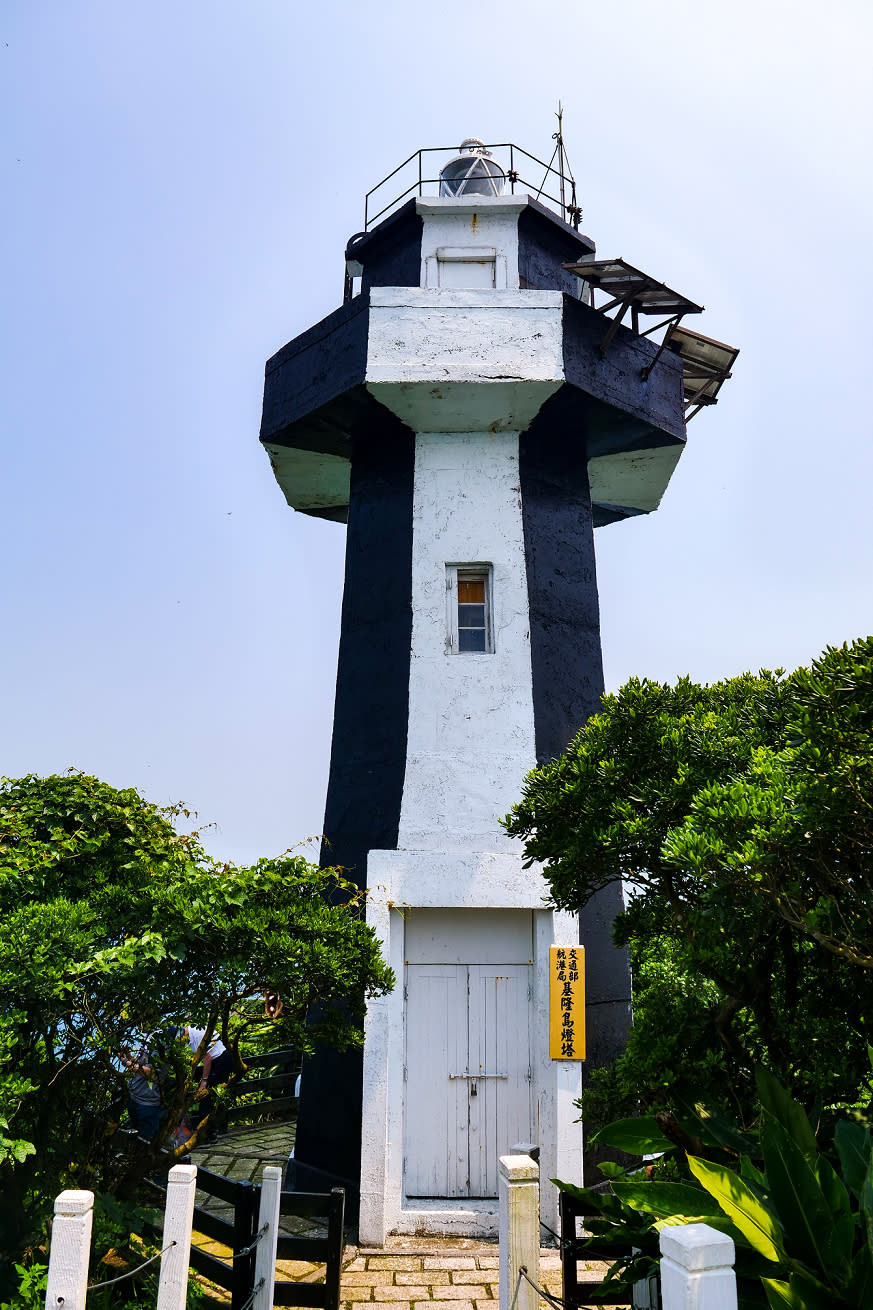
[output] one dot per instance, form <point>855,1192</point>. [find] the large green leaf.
<point>752,1173</point>
<point>859,1289</point>
<point>602,1203</point>
<point>754,1219</point>
<point>853,1146</point>
<point>798,1294</point>
<point>783,1108</point>
<point>798,1200</point>
<point>636,1136</point>
<point>866,1202</point>
<point>722,1224</point>
<point>665,1199</point>
<point>779,1295</point>
<point>714,1128</point>
<point>841,1235</point>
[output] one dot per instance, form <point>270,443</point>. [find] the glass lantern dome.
<point>472,173</point>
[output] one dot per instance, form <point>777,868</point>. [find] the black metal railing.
<point>238,1232</point>
<point>273,1084</point>
<point>523,174</point>
<point>575,1291</point>
<point>234,1230</point>
<point>325,1248</point>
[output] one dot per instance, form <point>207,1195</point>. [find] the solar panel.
<point>706,364</point>
<point>618,278</point>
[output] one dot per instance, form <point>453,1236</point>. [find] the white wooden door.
<point>468,1086</point>
<point>436,1118</point>
<point>499,1043</point>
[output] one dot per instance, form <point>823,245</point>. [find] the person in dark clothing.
<point>145,1102</point>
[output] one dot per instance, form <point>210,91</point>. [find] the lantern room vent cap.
<point>472,172</point>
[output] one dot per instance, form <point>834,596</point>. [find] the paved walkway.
<point>242,1152</point>
<point>409,1273</point>
<point>406,1274</point>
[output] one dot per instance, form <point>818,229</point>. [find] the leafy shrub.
<point>801,1216</point>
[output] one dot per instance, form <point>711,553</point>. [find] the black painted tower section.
<point>567,673</point>
<point>566,662</point>
<point>390,254</point>
<point>368,756</point>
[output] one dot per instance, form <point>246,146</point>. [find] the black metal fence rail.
<point>236,1273</point>
<point>275,1089</point>
<point>576,1291</point>
<point>326,1250</point>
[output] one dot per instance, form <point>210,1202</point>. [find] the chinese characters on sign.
<point>567,1002</point>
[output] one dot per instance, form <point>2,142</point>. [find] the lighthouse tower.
<point>472,415</point>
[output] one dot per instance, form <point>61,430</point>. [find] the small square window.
<point>468,595</point>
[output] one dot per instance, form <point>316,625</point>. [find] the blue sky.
<point>179,181</point>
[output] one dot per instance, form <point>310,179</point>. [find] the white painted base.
<point>447,1219</point>
<point>400,882</point>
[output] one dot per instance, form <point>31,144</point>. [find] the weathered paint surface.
<point>316,480</point>
<point>617,379</point>
<point>445,360</point>
<point>401,881</point>
<point>519,1232</point>
<point>451,360</point>
<point>407,405</point>
<point>635,479</point>
<point>561,573</point>
<point>467,1060</point>
<point>545,244</point>
<point>390,254</point>
<point>471,717</point>
<point>369,742</point>
<point>490,222</point>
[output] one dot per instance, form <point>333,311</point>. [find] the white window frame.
<point>434,263</point>
<point>468,573</point>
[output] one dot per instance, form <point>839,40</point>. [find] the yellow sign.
<point>567,1002</point>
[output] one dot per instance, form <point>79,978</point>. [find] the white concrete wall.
<point>487,221</point>
<point>456,360</point>
<point>471,718</point>
<point>399,880</point>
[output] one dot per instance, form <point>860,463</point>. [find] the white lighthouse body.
<point>457,413</point>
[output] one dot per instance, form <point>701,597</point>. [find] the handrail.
<point>569,212</point>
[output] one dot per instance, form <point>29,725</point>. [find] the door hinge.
<point>406,993</point>
<point>530,991</point>
<point>405,1073</point>
<point>529,1074</point>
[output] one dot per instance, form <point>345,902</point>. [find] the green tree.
<point>797,823</point>
<point>738,817</point>
<point>113,925</point>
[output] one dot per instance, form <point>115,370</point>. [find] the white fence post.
<point>70,1252</point>
<point>519,1189</point>
<point>697,1268</point>
<point>265,1259</point>
<point>178,1218</point>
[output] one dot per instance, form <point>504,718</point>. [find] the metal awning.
<point>706,365</point>
<point>630,286</point>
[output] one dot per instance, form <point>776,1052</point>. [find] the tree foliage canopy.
<point>739,817</point>
<point>114,925</point>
